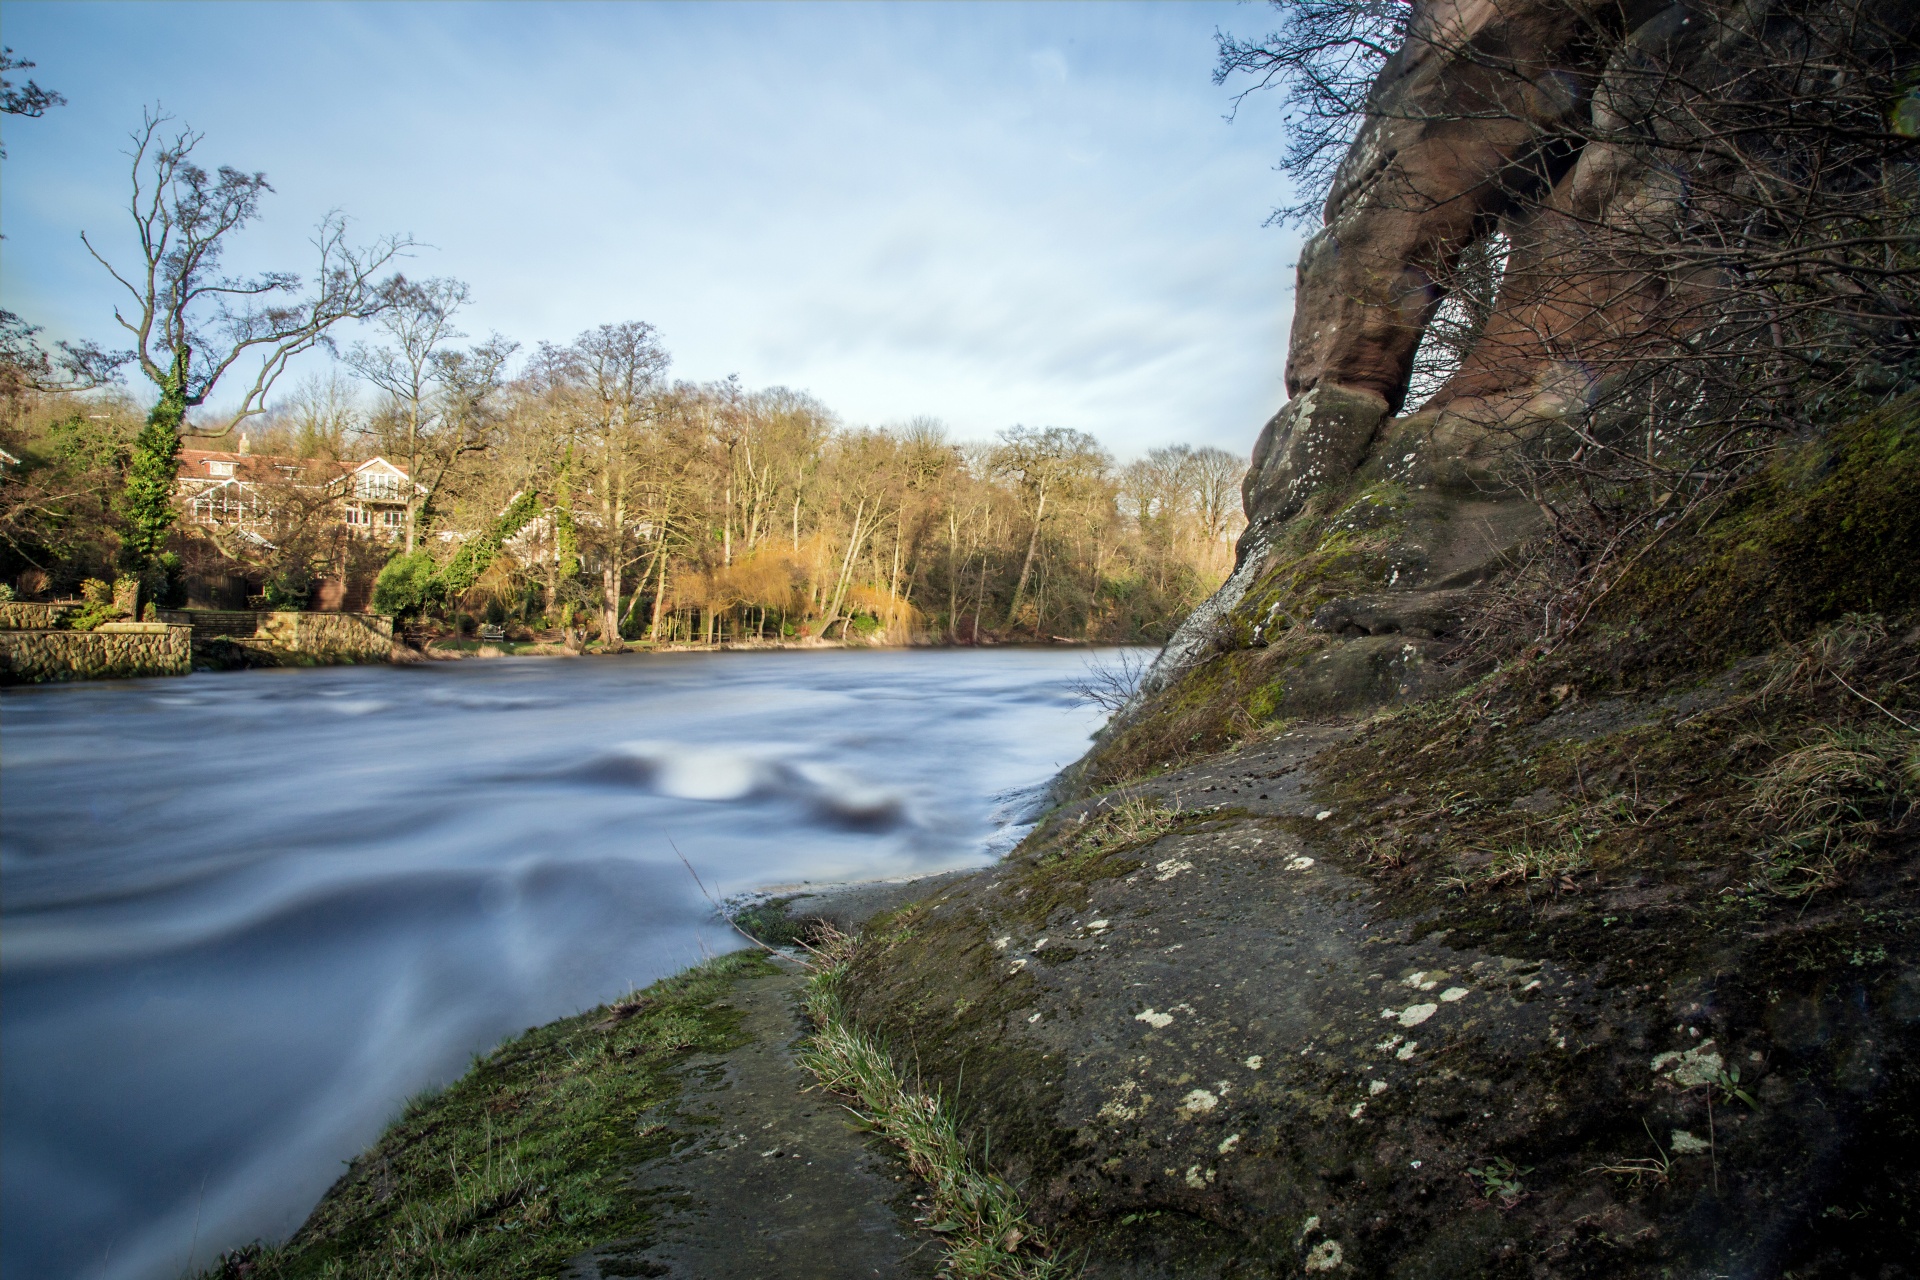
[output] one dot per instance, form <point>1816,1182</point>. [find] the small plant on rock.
<point>1134,820</point>
<point>1499,1179</point>
<point>1552,865</point>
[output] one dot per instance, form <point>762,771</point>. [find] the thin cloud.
<point>989,214</point>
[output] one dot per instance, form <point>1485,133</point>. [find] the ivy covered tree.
<point>193,324</point>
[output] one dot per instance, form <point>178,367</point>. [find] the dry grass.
<point>1551,865</point>
<point>978,1216</point>
<point>1827,800</point>
<point>1132,820</point>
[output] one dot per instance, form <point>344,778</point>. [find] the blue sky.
<point>990,213</point>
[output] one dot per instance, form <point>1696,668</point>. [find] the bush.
<point>91,615</point>
<point>288,592</point>
<point>165,581</point>
<point>403,587</point>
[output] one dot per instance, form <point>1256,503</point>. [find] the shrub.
<point>404,585</point>
<point>288,592</point>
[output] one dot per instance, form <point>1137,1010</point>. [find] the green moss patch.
<point>523,1162</point>
<point>1830,528</point>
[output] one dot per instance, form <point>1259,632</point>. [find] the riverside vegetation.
<point>734,515</point>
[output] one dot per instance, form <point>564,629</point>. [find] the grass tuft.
<point>1826,801</point>
<point>1135,820</point>
<point>978,1216</point>
<point>1553,865</point>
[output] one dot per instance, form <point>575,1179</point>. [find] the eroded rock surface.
<point>1228,1049</point>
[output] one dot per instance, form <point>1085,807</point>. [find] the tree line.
<point>673,510</point>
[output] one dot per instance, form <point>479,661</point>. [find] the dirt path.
<point>769,1181</point>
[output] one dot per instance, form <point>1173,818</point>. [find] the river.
<point>243,916</point>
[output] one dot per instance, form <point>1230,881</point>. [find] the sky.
<point>988,213</point>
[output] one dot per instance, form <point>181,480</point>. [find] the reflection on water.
<point>246,914</point>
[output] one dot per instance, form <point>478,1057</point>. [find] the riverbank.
<point>678,1132</point>
<point>1344,958</point>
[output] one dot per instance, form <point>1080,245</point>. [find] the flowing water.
<point>247,914</point>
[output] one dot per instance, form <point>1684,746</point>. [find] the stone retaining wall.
<point>355,635</point>
<point>129,649</point>
<point>329,637</point>
<point>28,615</point>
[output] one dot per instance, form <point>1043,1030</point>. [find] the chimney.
<point>243,444</point>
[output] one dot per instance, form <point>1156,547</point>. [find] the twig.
<point>714,903</point>
<point>1864,698</point>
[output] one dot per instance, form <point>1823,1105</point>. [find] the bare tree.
<point>27,368</point>
<point>1111,683</point>
<point>1324,58</point>
<point>322,417</point>
<point>618,367</point>
<point>1215,479</point>
<point>1045,462</point>
<point>465,385</point>
<point>192,324</point>
<point>29,99</point>
<point>418,321</point>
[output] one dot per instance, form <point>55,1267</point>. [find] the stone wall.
<point>328,637</point>
<point>26,615</point>
<point>118,650</point>
<point>360,636</point>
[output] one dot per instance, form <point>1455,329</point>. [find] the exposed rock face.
<point>1476,128</point>
<point>1526,983</point>
<point>1535,982</point>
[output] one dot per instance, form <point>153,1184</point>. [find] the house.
<point>239,489</point>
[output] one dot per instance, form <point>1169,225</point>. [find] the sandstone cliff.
<point>1452,903</point>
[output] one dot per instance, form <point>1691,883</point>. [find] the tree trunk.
<point>413,472</point>
<point>660,562</point>
<point>980,597</point>
<point>846,564</point>
<point>610,607</point>
<point>953,578</point>
<point>1026,566</point>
